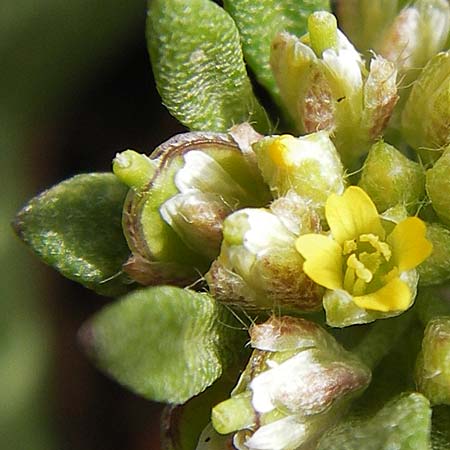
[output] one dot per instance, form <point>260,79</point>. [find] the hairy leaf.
<point>164,343</point>
<point>76,228</point>
<point>198,66</point>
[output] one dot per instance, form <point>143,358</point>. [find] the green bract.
<point>217,212</point>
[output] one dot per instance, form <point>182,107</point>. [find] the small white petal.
<point>283,434</point>
<point>286,384</point>
<point>203,173</point>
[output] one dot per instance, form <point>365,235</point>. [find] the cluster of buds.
<point>349,216</point>
<point>325,86</point>
<point>297,384</point>
<point>269,220</point>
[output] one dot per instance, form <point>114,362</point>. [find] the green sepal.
<point>404,423</point>
<point>198,65</point>
<point>259,22</point>
<point>75,227</point>
<point>165,343</point>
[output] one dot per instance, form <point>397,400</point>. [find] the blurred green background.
<point>75,88</point>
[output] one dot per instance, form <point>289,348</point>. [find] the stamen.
<point>382,247</point>
<point>349,246</point>
<point>361,271</point>
<point>349,279</point>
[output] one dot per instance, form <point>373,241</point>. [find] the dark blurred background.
<point>75,88</point>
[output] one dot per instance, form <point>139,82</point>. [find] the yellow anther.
<point>381,247</point>
<point>349,246</point>
<point>360,269</point>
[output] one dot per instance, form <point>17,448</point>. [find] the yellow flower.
<point>359,258</point>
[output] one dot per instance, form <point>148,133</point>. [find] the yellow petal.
<point>394,296</point>
<point>409,245</point>
<point>323,258</point>
<point>352,214</point>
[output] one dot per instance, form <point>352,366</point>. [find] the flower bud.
<point>364,22</point>
<point>308,165</point>
<point>436,268</point>
<point>433,364</point>
<point>418,32</point>
<point>324,85</point>
<point>173,221</point>
<point>390,178</point>
<point>297,383</point>
<point>258,266</point>
<point>438,185</point>
<point>426,116</point>
<point>197,218</point>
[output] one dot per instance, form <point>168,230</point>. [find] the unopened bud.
<point>438,186</point>
<point>197,218</point>
<point>436,268</point>
<point>308,165</point>
<point>297,383</point>
<point>364,22</point>
<point>433,364</point>
<point>258,266</point>
<point>325,87</point>
<point>390,178</point>
<point>426,116</point>
<point>418,32</point>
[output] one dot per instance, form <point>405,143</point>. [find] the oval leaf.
<point>164,343</point>
<point>198,66</point>
<point>76,228</point>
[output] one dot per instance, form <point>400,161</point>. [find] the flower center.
<point>367,264</point>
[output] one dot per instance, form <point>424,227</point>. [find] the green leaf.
<point>76,228</point>
<point>198,66</point>
<point>259,22</point>
<point>164,343</point>
<point>404,423</point>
